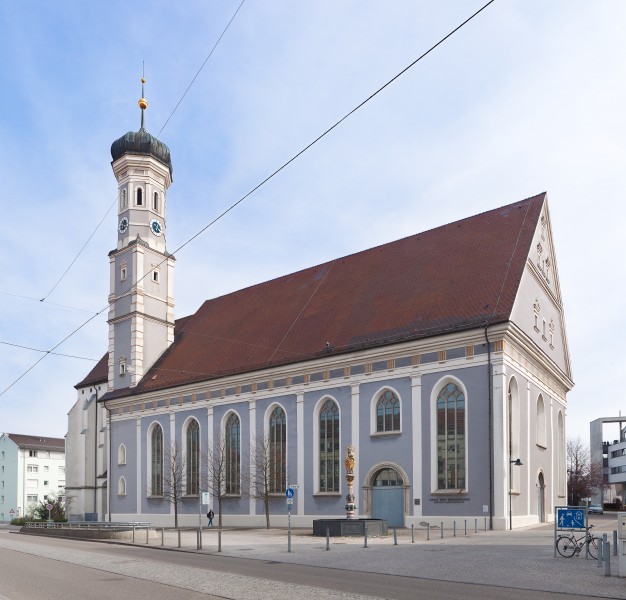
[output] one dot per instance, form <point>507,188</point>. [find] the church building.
<point>441,358</point>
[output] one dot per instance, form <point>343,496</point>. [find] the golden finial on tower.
<point>143,103</point>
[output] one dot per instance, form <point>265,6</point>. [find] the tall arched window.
<point>155,201</point>
<point>451,438</point>
<point>192,443</point>
<point>278,450</point>
<point>541,422</point>
<point>388,412</point>
<point>123,201</point>
<point>156,461</point>
<point>329,447</point>
<point>139,196</point>
<point>233,454</point>
<point>121,486</point>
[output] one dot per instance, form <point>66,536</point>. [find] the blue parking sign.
<point>570,518</point>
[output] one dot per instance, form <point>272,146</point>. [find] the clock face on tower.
<point>156,227</point>
<point>123,226</point>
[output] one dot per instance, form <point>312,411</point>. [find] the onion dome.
<point>141,142</point>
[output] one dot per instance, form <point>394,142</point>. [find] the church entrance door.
<point>388,497</point>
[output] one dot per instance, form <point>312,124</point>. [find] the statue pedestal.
<point>349,527</point>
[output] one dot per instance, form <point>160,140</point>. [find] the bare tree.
<point>218,472</point>
<point>174,466</point>
<point>262,479</point>
<point>583,477</point>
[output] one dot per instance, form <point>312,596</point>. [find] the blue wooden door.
<point>388,503</point>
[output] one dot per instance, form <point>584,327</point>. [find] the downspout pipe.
<point>490,402</point>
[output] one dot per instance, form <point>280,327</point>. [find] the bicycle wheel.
<point>566,546</point>
<point>592,544</point>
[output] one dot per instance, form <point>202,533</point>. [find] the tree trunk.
<point>266,502</point>
<point>219,507</point>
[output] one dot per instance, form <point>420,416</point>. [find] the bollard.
<point>289,541</point>
<point>453,528</point>
<point>179,537</point>
<point>133,534</point>
<point>600,551</point>
<point>465,527</point>
<point>200,536</point>
<point>219,540</point>
<point>197,539</point>
<point>162,536</point>
<point>441,529</point>
<point>327,539</point>
<point>485,523</point>
<point>427,532</point>
<point>412,534</point>
<point>607,559</point>
<point>475,525</point>
<point>395,536</point>
<point>614,542</point>
<point>147,535</point>
<point>365,537</point>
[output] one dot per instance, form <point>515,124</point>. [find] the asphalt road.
<point>37,567</point>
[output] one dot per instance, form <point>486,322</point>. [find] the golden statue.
<point>350,459</point>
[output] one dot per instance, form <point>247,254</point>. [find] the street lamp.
<point>518,463</point>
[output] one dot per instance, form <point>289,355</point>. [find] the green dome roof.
<point>141,142</point>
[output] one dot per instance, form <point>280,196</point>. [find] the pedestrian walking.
<point>210,516</point>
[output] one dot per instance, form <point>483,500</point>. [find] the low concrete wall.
<point>92,534</point>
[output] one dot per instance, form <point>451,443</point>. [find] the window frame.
<point>192,458</point>
<point>278,476</point>
<point>434,479</point>
<point>232,481</point>
<point>317,453</point>
<point>376,399</point>
<point>152,476</point>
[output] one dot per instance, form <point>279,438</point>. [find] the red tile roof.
<point>458,276</point>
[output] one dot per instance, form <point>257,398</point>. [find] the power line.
<point>48,352</point>
<point>219,39</point>
<point>50,303</point>
<point>273,174</point>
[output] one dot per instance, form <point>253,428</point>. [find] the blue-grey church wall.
<point>153,505</point>
<point>477,449</point>
<point>325,504</point>
<point>124,432</point>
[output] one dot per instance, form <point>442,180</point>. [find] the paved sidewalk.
<point>522,559</point>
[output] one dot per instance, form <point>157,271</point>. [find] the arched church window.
<point>123,200</point>
<point>121,487</point>
<point>278,450</point>
<point>451,449</point>
<point>121,455</point>
<point>156,461</point>
<point>541,422</point>
<point>155,202</point>
<point>192,441</point>
<point>233,454</point>
<point>388,412</point>
<point>388,477</point>
<point>139,197</point>
<point>329,447</point>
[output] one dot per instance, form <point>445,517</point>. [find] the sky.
<point>528,97</point>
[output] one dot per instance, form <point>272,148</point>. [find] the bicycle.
<point>568,544</point>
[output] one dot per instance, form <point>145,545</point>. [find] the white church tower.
<point>141,305</point>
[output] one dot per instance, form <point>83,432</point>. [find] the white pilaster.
<point>210,441</point>
<point>416,437</point>
<point>138,463</point>
<point>300,450</point>
<point>253,445</point>
<point>354,408</point>
<point>171,445</point>
<point>531,493</point>
<point>499,449</point>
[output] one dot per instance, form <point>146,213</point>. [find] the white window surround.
<point>316,446</point>
<point>149,431</point>
<point>140,199</point>
<point>185,426</point>
<point>223,422</point>
<point>121,454</point>
<point>540,416</point>
<point>122,362</point>
<point>445,380</point>
<point>121,486</point>
<point>374,404</point>
<point>266,432</point>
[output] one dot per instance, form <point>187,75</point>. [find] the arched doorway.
<point>388,496</point>
<point>541,508</point>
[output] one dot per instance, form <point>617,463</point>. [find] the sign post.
<point>49,507</point>
<point>571,518</point>
<point>289,493</point>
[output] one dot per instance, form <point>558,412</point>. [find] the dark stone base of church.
<point>349,527</point>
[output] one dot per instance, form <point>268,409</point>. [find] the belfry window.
<point>139,196</point>
<point>155,202</point>
<point>123,200</point>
